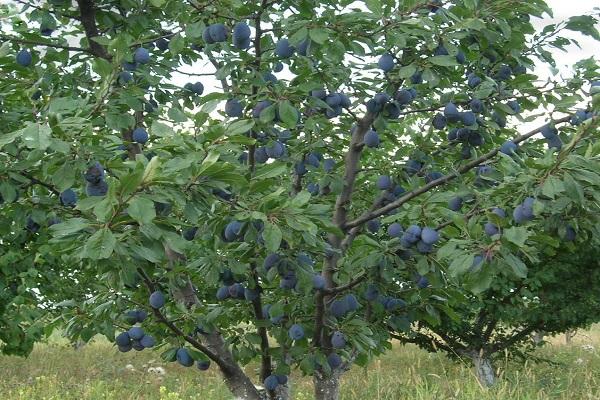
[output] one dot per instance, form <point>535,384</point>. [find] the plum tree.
<point>254,208</point>
<point>395,230</point>
<point>499,320</point>
<point>203,365</point>
<point>338,340</point>
<point>136,333</point>
<point>241,35</point>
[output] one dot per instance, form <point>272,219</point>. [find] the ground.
<point>56,371</point>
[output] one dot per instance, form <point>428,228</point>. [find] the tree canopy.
<point>360,168</point>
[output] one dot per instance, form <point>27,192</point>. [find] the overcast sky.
<point>563,9</point>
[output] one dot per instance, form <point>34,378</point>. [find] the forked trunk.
<point>236,379</point>
<point>327,387</point>
<point>484,369</point>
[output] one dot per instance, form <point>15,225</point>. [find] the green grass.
<point>55,371</point>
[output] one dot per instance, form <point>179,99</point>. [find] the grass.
<point>55,371</point>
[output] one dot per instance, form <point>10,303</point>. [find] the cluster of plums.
<point>135,338</point>
<point>96,185</point>
<point>335,101</point>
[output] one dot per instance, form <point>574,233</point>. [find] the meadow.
<point>56,371</point>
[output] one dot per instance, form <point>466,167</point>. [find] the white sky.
<point>563,9</point>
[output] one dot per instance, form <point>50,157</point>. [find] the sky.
<point>563,10</point>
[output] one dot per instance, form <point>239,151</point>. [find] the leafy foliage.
<point>179,193</point>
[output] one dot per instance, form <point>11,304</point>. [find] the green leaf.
<point>161,130</point>
<point>318,35</point>
<point>272,236</point>
<point>300,199</point>
<point>36,136</point>
<point>9,138</point>
<point>177,114</point>
<point>194,30</point>
<point>471,4</point>
<point>68,227</point>
<point>103,210</point>
<point>374,6</point>
<point>267,115</point>
<point>210,160</point>
<point>288,114</point>
<point>176,44</point>
<point>407,71</point>
<point>239,127</point>
<point>100,245</point>
<point>270,171</point>
<point>151,170</point>
<point>585,24</point>
<point>169,355</point>
<point>64,177</point>
<point>552,187</point>
<point>572,189</point>
<point>517,235</point>
<point>444,61</point>
<point>460,264</point>
<point>518,267</point>
<point>141,209</point>
<point>8,193</point>
<point>102,67</point>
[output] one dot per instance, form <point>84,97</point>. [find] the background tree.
<point>554,298</point>
<point>231,225</point>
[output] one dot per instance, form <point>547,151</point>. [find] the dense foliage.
<point>359,169</point>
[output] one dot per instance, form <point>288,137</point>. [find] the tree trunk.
<point>569,335</point>
<point>283,392</point>
<point>236,379</point>
<point>327,387</point>
<point>538,337</point>
<point>484,369</point>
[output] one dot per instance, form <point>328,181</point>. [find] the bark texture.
<point>236,379</point>
<point>327,387</point>
<point>484,369</point>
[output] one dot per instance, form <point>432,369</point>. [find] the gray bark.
<point>327,387</point>
<point>283,392</point>
<point>538,337</point>
<point>569,335</point>
<point>236,379</point>
<point>484,370</point>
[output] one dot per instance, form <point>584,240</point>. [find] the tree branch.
<point>60,14</point>
<point>266,366</point>
<point>440,181</point>
<point>513,339</point>
<point>35,43</point>
<point>88,20</point>
<point>38,182</point>
<point>161,317</point>
<point>339,218</point>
